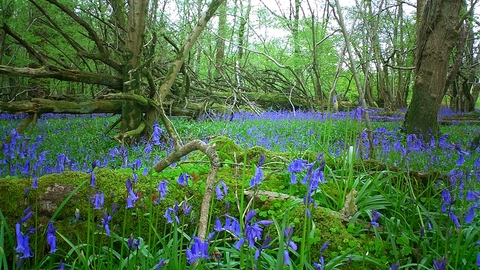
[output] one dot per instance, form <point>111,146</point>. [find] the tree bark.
<point>437,35</point>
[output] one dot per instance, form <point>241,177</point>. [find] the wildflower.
<point>470,214</point>
<point>105,220</point>
<point>132,196</point>
<point>265,245</point>
<point>375,216</point>
<point>233,225</point>
<point>183,179</point>
<point>133,244</point>
<point>221,190</point>
<point>35,182</point>
<point>168,215</point>
<point>160,264</point>
<point>98,200</point>
<point>162,189</point>
<point>321,265</point>
<point>257,178</point>
<point>186,208</point>
<point>27,214</point>
<point>198,250</point>
<point>253,230</point>
<point>92,178</point>
<point>440,264</point>
<point>298,165</point>
<point>325,245</point>
<point>288,235</point>
<point>61,266</point>
<point>394,266</point>
<point>51,238</point>
<point>454,219</point>
<point>22,243</point>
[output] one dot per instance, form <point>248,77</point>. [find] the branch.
<point>210,151</point>
<point>38,105</point>
<point>38,55</point>
<point>64,75</point>
<point>92,34</point>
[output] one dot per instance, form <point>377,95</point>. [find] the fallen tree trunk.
<point>40,105</point>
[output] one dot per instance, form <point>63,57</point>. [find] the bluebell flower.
<point>265,245</point>
<point>35,182</point>
<point>440,264</point>
<point>98,200</point>
<point>61,266</point>
<point>257,178</point>
<point>160,264</point>
<point>232,225</point>
<point>168,215</point>
<point>22,248</point>
<point>27,214</point>
<point>51,238</point>
<point>183,179</point>
<point>221,190</point>
<point>92,178</point>
<point>454,219</point>
<point>325,245</point>
<point>105,220</point>
<point>394,266</point>
<point>297,165</point>
<point>186,208</point>
<point>133,244</point>
<point>261,160</point>
<point>375,216</point>
<point>198,250</point>
<point>162,189</point>
<point>470,214</point>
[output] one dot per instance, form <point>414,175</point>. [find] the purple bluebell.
<point>471,214</point>
<point>97,200</point>
<point>257,178</point>
<point>105,222</point>
<point>440,264</point>
<point>160,264</point>
<point>375,216</point>
<point>325,245</point>
<point>186,208</point>
<point>169,213</point>
<point>454,219</point>
<point>394,266</point>
<point>265,245</point>
<point>35,183</point>
<point>93,179</point>
<point>221,190</point>
<point>133,244</point>
<point>198,250</point>
<point>297,166</point>
<point>61,266</point>
<point>51,238</point>
<point>289,244</point>
<point>27,214</point>
<point>22,248</point>
<point>162,189</point>
<point>253,230</point>
<point>132,196</point>
<point>183,179</point>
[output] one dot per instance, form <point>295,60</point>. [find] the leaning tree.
<point>108,44</point>
<point>113,45</point>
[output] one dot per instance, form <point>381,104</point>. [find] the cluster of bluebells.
<point>314,175</point>
<point>22,247</point>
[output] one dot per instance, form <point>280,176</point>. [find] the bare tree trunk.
<point>437,35</point>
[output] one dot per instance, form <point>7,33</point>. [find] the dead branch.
<point>210,151</point>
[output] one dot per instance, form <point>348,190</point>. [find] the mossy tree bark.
<point>437,36</point>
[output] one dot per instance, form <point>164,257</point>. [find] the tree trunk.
<point>132,111</point>
<point>437,35</point>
